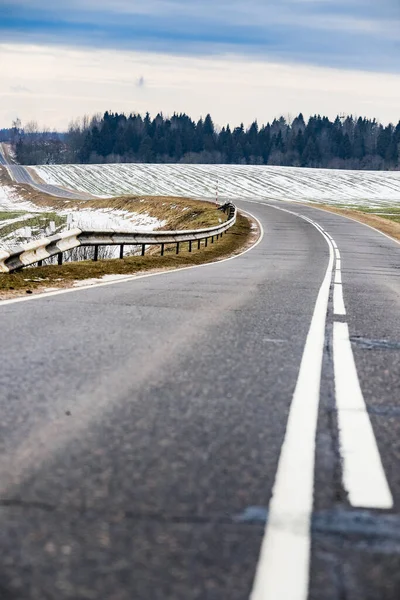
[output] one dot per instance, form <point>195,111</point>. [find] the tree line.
<point>343,143</point>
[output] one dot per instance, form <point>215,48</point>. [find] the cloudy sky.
<point>237,59</point>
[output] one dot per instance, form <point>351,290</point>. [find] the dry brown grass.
<point>36,279</point>
<point>180,213</point>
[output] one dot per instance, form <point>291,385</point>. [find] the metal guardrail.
<point>39,250</point>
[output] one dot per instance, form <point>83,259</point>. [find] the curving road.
<point>2,158</point>
<point>167,437</point>
<point>21,174</point>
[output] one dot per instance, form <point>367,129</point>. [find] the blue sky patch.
<point>361,34</point>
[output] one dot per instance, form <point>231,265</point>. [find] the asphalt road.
<point>144,425</point>
<point>21,175</point>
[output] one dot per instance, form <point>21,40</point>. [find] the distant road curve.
<point>21,175</point>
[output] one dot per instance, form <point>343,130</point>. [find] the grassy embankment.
<point>38,220</point>
<point>385,219</point>
<point>179,213</point>
<point>51,276</point>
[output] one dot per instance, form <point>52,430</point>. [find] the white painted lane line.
<point>338,264</point>
<point>337,253</point>
<point>363,474</point>
<point>284,563</point>
<point>338,276</point>
<point>355,221</point>
<point>338,302</point>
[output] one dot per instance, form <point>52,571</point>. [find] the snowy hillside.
<point>10,200</point>
<point>235,181</point>
<point>22,221</point>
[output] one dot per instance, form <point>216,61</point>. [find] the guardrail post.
<point>96,252</point>
<point>212,239</point>
<point>198,244</point>
<point>177,247</point>
<point>40,263</point>
<point>190,246</point>
<point>205,242</point>
<point>143,249</point>
<point>121,251</point>
<point>162,249</point>
<point>59,258</point>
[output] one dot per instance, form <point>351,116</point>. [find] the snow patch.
<point>111,220</point>
<point>11,201</point>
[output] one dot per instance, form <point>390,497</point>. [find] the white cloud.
<point>66,83</point>
<point>335,33</point>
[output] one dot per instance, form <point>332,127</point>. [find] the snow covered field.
<point>22,221</point>
<point>373,188</point>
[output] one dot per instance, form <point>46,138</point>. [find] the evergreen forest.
<point>343,143</point>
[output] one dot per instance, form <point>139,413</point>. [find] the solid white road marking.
<point>355,221</point>
<point>284,563</point>
<point>338,302</point>
<point>363,474</point>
